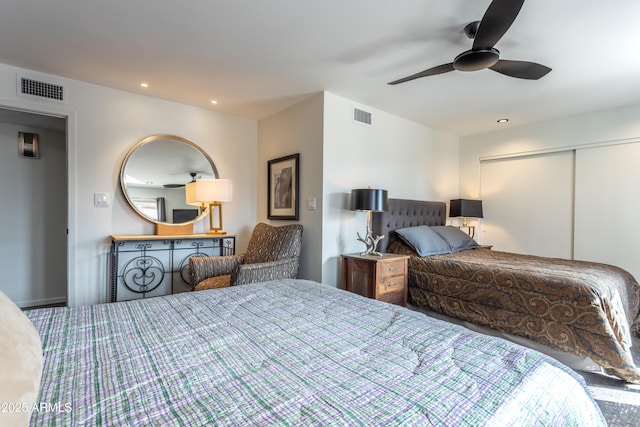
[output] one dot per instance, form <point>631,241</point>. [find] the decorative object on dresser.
<point>272,253</point>
<point>466,208</point>
<point>147,266</point>
<point>369,200</point>
<point>283,189</point>
<point>382,277</point>
<point>211,192</point>
<point>153,178</point>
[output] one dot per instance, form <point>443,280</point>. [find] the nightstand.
<point>380,277</point>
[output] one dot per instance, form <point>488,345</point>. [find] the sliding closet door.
<point>528,204</point>
<point>607,205</point>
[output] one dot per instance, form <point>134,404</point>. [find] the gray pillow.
<point>456,239</point>
<point>423,240</point>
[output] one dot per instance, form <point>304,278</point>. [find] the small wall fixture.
<point>212,192</point>
<point>369,200</point>
<point>466,208</point>
<point>28,145</point>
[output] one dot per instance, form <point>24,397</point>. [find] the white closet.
<point>608,205</point>
<point>579,204</point>
<point>527,203</point>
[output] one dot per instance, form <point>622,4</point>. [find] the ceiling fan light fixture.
<point>474,60</point>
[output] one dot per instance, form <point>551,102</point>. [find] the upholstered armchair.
<point>272,253</point>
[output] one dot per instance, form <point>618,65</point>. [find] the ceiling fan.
<point>193,179</point>
<point>485,34</point>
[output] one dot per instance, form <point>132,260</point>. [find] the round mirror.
<point>154,174</point>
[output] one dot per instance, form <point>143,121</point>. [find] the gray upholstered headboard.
<point>406,213</point>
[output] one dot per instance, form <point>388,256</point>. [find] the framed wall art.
<point>283,187</point>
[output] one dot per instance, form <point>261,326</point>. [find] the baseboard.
<point>40,302</point>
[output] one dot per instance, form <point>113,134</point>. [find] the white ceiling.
<point>258,57</point>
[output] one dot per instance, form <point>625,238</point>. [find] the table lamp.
<point>369,200</point>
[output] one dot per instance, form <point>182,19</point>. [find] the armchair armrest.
<point>211,266</point>
<point>264,271</point>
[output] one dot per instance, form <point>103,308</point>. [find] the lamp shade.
<point>465,208</point>
<point>208,191</point>
<point>369,199</point>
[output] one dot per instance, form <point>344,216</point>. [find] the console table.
<point>148,265</point>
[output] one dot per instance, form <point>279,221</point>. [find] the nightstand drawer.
<point>391,284</point>
<point>390,269</point>
<point>397,297</point>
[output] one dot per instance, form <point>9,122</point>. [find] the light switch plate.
<point>101,200</point>
<point>311,203</point>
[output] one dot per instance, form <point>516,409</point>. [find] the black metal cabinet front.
<point>147,266</point>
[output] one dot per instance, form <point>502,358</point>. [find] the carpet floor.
<point>618,401</point>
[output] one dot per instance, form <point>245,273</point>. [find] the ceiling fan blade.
<point>440,69</point>
<point>173,185</point>
<point>495,22</point>
<point>521,69</point>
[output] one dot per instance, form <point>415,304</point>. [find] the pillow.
<point>423,240</point>
<point>458,240</point>
<point>20,362</point>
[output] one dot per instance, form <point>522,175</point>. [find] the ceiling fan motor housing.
<point>473,60</point>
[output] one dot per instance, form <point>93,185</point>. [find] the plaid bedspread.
<point>290,353</point>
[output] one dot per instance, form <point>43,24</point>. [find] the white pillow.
<point>20,364</point>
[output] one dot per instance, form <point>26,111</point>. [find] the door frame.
<point>46,109</point>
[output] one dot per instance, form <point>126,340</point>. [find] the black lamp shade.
<point>466,208</point>
<point>368,199</point>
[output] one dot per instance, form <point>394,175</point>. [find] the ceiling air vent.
<point>361,116</point>
<point>32,87</point>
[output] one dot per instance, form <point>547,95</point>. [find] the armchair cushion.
<point>216,282</point>
<point>204,267</point>
<point>269,243</point>
<point>264,271</point>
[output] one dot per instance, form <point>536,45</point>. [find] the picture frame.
<point>28,145</point>
<point>283,189</point>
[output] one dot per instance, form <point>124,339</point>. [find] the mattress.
<point>588,309</point>
<point>291,352</point>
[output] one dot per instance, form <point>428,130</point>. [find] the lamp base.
<point>371,243</point>
<point>215,233</point>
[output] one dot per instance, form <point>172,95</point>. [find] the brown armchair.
<point>273,253</point>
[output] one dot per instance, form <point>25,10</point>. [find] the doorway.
<point>33,211</point>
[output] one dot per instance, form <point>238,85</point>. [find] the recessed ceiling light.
<point>214,102</point>
<point>503,120</point>
<point>145,85</point>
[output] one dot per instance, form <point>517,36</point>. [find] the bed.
<point>586,309</point>
<point>291,352</point>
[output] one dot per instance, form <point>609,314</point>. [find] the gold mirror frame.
<point>158,166</point>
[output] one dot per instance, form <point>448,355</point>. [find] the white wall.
<point>103,125</point>
<point>337,155</point>
<point>407,159</point>
<point>297,129</point>
<point>33,218</point>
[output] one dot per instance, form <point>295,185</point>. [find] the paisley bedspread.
<point>585,308</point>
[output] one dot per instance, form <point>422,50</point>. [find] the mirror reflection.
<point>154,174</point>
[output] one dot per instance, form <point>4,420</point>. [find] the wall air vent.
<point>361,116</point>
<point>32,87</point>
